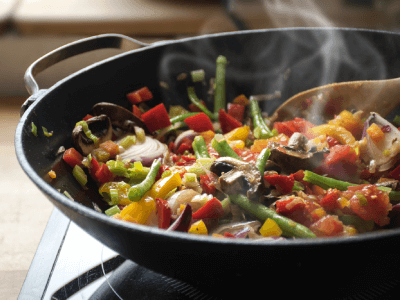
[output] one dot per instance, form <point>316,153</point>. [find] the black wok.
<point>261,62</point>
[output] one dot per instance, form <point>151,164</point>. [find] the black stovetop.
<point>70,264</point>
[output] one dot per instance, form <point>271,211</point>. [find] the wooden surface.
<point>25,210</point>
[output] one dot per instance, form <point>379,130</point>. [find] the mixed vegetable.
<point>230,172</point>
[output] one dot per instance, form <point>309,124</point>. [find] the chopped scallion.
<point>114,197</point>
<point>128,141</point>
<point>197,75</point>
<point>112,210</point>
<point>79,175</point>
<point>87,131</point>
<point>46,132</point>
<point>34,129</point>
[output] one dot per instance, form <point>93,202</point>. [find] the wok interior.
<point>260,62</point>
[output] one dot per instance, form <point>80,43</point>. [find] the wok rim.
<point>83,211</point>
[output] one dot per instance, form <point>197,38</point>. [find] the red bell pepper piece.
<point>228,123</point>
<point>236,111</point>
<point>284,184</point>
<point>156,118</point>
<point>194,108</point>
<point>207,183</point>
<point>332,141</point>
<point>87,117</point>
<point>184,147</point>
<point>72,157</point>
<point>104,175</point>
<point>164,213</point>
<point>285,206</point>
<point>199,123</point>
<point>329,201</point>
<point>136,111</point>
<point>140,95</point>
<point>94,167</point>
<point>229,235</point>
<point>212,209</point>
<point>161,170</point>
<point>395,173</point>
<point>295,125</point>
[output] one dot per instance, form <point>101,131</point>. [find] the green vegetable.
<point>166,173</point>
<point>261,130</point>
<point>127,141</point>
<point>262,159</point>
<point>176,110</point>
<point>193,98</point>
<point>112,210</point>
<point>197,75</point>
<point>222,147</point>
<point>201,167</point>
<point>114,197</point>
<point>79,175</point>
<point>182,117</point>
<point>289,228</point>
<point>117,168</point>
<point>87,131</point>
<point>140,134</point>
<point>68,195</point>
<point>137,191</point>
<point>297,186</point>
<point>34,129</point>
<point>396,120</point>
<point>46,133</point>
<point>200,147</point>
<point>219,93</point>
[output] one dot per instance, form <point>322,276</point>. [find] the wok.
<point>260,62</point>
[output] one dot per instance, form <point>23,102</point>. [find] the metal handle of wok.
<point>103,41</point>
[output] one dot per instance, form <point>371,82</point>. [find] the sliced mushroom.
<point>239,177</point>
<point>298,141</point>
<point>119,116</point>
<point>393,184</point>
<point>292,160</point>
<point>100,126</point>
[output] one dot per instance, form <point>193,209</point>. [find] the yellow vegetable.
<point>238,134</point>
<point>198,228</point>
<point>260,144</point>
<point>349,121</point>
<point>236,144</point>
<point>270,228</point>
<point>340,133</point>
<point>375,133</point>
<point>163,186</point>
<point>139,211</point>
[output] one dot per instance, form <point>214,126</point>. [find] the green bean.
<point>219,94</point>
<point>196,101</point>
<point>200,147</point>
<point>289,227</point>
<point>261,130</point>
<point>182,117</point>
<point>137,191</point>
<point>222,147</point>
<point>262,159</point>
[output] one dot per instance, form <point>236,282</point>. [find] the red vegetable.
<point>227,122</point>
<point>286,206</point>
<point>104,175</point>
<point>207,183</point>
<point>110,147</point>
<point>341,153</point>
<point>94,167</point>
<point>199,123</point>
<point>163,213</point>
<point>136,111</point>
<point>156,118</point>
<point>332,141</point>
<point>395,173</point>
<point>330,200</point>
<point>194,108</point>
<point>212,209</point>
<point>327,226</point>
<point>236,111</point>
<point>295,125</point>
<point>284,184</point>
<point>87,117</point>
<point>72,157</point>
<point>229,235</point>
<point>140,95</point>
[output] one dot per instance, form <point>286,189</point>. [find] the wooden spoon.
<point>320,104</point>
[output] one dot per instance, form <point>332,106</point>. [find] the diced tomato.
<point>140,95</point>
<point>227,122</point>
<point>332,141</point>
<point>207,183</point>
<point>87,117</point>
<point>284,184</point>
<point>287,205</point>
<point>330,200</point>
<point>94,167</point>
<point>246,155</point>
<point>156,118</point>
<point>136,111</point>
<point>163,213</point>
<point>110,147</point>
<point>295,125</point>
<point>395,173</point>
<point>229,235</point>
<point>236,111</point>
<point>186,145</point>
<point>369,203</point>
<point>72,157</point>
<point>104,175</point>
<point>341,153</point>
<point>199,123</point>
<point>328,226</point>
<point>212,209</point>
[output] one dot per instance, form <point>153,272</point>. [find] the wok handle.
<point>117,41</point>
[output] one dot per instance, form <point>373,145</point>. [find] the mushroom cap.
<point>119,116</point>
<point>100,126</point>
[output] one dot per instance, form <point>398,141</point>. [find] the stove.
<point>70,264</point>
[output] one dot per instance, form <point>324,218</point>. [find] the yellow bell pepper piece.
<point>260,144</point>
<point>349,121</point>
<point>163,186</point>
<point>375,133</point>
<point>238,134</point>
<point>270,228</point>
<point>236,144</point>
<point>340,133</point>
<point>198,228</point>
<point>139,211</point>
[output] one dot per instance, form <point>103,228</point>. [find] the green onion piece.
<point>114,197</point>
<point>222,147</point>
<point>190,177</point>
<point>112,210</point>
<point>68,195</point>
<point>219,94</point>
<point>128,141</point>
<point>170,193</point>
<point>140,134</point>
<point>87,131</point>
<point>166,173</point>
<point>117,168</point>
<point>198,75</point>
<point>201,167</point>
<point>34,129</point>
<point>396,120</point>
<point>79,175</point>
<point>297,186</point>
<point>46,133</point>
<point>196,101</point>
<point>363,200</point>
